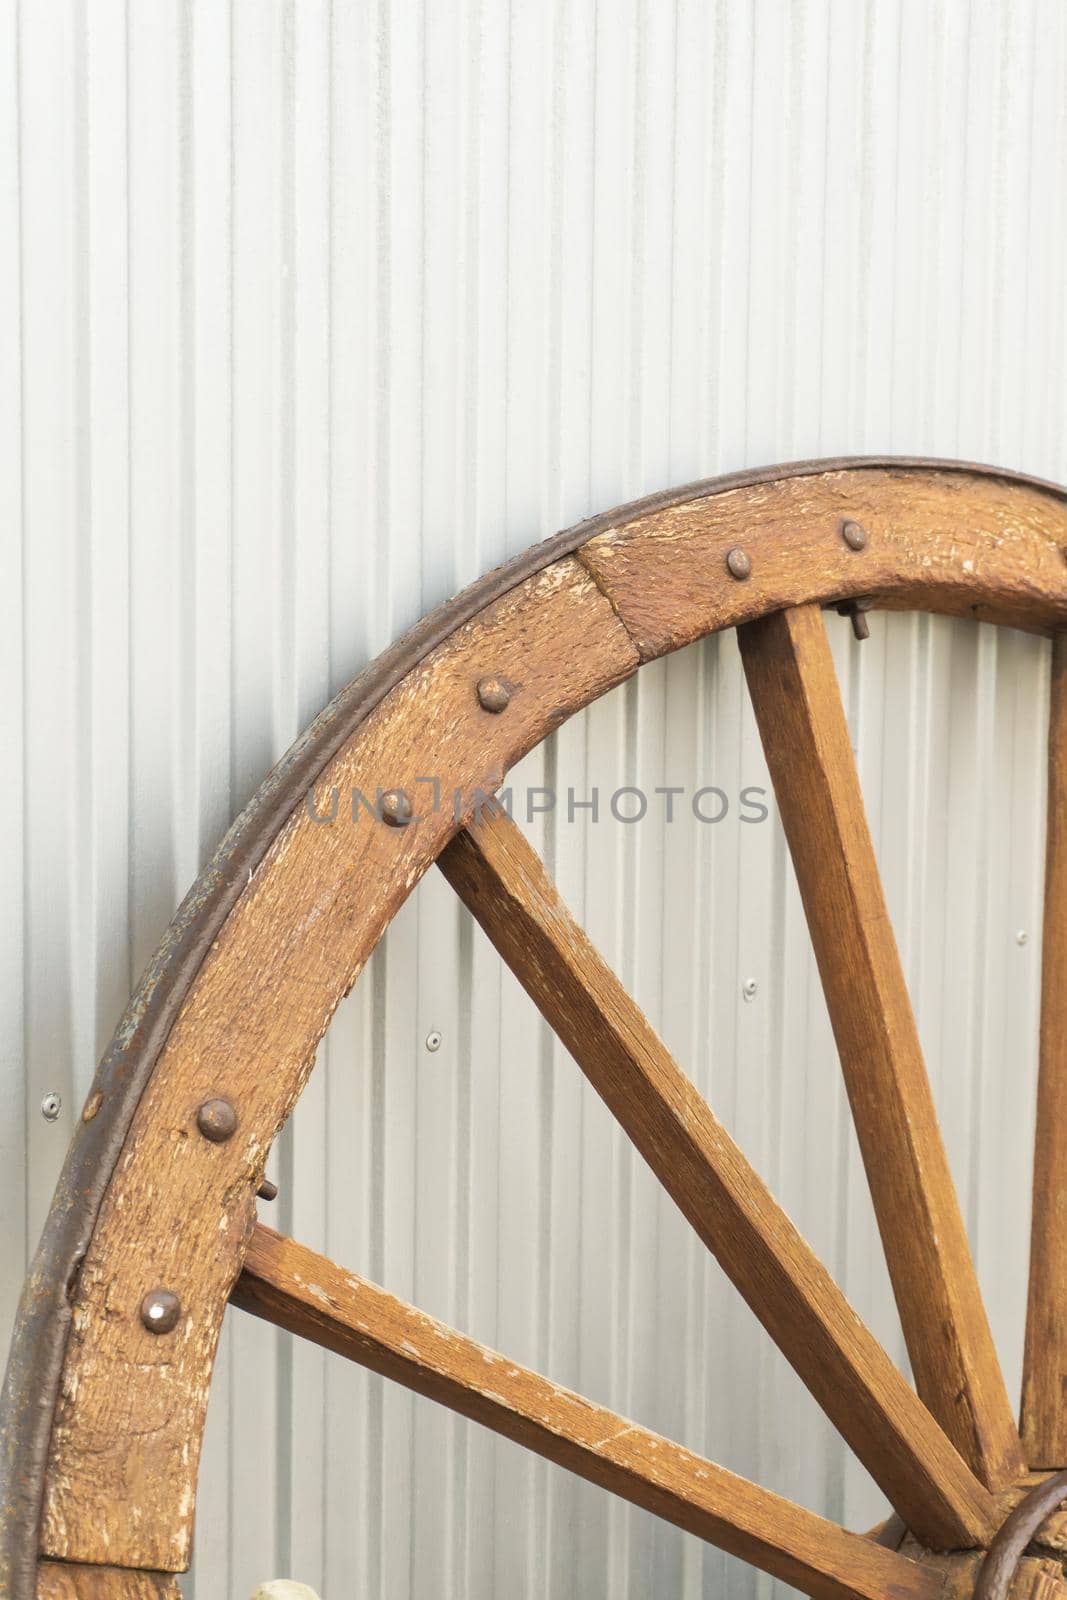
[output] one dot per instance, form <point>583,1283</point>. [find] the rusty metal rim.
<point>43,1322</point>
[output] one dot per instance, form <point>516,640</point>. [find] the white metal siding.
<point>309,314</point>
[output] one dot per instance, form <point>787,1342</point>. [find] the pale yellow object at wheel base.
<point>284,1589</point>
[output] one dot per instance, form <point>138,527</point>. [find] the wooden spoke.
<point>802,723</point>
<point>1044,1405</point>
<point>297,1289</point>
<point>503,882</point>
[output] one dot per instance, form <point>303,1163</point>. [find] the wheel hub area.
<point>1027,1557</point>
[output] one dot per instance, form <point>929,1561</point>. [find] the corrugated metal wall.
<point>312,312</point>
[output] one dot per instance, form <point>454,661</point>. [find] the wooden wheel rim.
<point>624,588</point>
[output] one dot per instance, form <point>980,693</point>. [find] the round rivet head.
<point>160,1311</point>
<point>493,694</point>
<point>396,808</point>
<point>739,565</point>
<point>217,1120</point>
<point>854,535</point>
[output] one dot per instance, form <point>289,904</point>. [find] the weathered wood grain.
<point>1036,1577</point>
<point>1039,1574</point>
<point>802,724</point>
<point>297,1289</point>
<point>940,541</point>
<point>503,883</point>
<point>125,1443</point>
<point>1044,1398</point>
<point>60,1580</point>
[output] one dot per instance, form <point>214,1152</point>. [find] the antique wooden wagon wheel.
<point>153,1230</point>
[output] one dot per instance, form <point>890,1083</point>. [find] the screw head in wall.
<point>1022,937</point>
<point>749,988</point>
<point>433,1040</point>
<point>51,1105</point>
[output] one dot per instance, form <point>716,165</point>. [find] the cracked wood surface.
<point>295,1288</point>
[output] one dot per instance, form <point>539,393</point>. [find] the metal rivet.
<point>739,565</point>
<point>267,1190</point>
<point>854,535</point>
<point>51,1105</point>
<point>160,1311</point>
<point>433,1040</point>
<point>748,988</point>
<point>493,694</point>
<point>396,808</point>
<point>217,1120</point>
<point>92,1106</point>
<point>1022,937</point>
